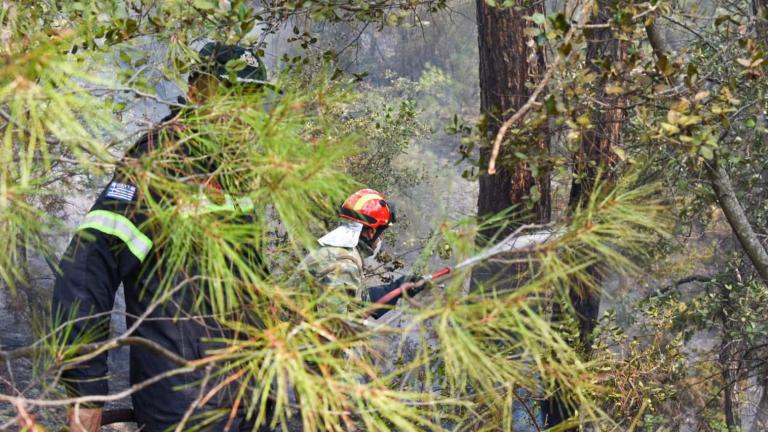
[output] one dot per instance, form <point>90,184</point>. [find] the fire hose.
<point>512,243</point>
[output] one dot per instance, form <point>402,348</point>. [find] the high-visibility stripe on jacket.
<point>121,227</point>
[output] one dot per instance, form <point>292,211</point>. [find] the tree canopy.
<point>629,135</point>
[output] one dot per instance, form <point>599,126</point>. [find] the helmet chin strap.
<point>370,260</point>
<point>369,247</point>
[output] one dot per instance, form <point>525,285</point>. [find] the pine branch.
<point>33,350</point>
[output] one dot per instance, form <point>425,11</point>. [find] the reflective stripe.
<point>208,206</point>
<point>120,227</point>
<point>244,204</point>
<point>365,199</point>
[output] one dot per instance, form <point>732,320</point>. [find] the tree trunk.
<point>760,423</point>
<point>656,39</point>
<point>760,10</point>
<point>737,218</point>
<point>729,362</point>
<point>596,159</point>
<point>506,65</point>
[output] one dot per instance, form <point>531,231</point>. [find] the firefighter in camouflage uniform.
<point>337,265</point>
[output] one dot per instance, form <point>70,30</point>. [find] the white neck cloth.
<point>346,235</point>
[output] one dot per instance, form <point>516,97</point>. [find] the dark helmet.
<point>214,57</point>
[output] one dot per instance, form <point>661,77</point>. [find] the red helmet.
<point>369,208</point>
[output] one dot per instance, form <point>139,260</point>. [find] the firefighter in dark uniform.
<point>112,246</point>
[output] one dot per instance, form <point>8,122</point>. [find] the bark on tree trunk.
<point>760,422</point>
<point>760,10</point>
<point>596,158</point>
<point>737,218</point>
<point>729,363</point>
<point>729,392</point>
<point>506,65</point>
<point>656,39</point>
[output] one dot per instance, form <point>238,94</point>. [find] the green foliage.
<point>644,374</point>
<point>489,343</point>
<point>387,132</point>
<point>651,372</point>
<point>53,53</point>
<point>702,99</point>
<point>279,161</point>
<point>294,151</point>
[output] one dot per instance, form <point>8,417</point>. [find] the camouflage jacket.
<point>338,274</point>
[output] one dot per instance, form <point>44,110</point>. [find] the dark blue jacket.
<point>113,246</point>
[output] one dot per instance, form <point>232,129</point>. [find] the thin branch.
<point>692,31</point>
<point>635,18</point>
<point>688,279</point>
<point>734,211</point>
<point>114,343</point>
<point>140,93</point>
<point>527,410</point>
<point>99,398</point>
<point>726,195</point>
<point>197,402</point>
<point>32,350</point>
<point>737,217</point>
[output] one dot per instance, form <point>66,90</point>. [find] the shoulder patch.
<point>249,59</point>
<point>121,191</point>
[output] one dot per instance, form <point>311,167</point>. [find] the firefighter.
<point>337,265</point>
<point>112,247</point>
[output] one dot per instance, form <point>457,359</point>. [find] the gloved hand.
<point>415,289</point>
<point>412,277</point>
<point>377,293</point>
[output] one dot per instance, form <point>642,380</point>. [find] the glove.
<point>414,278</point>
